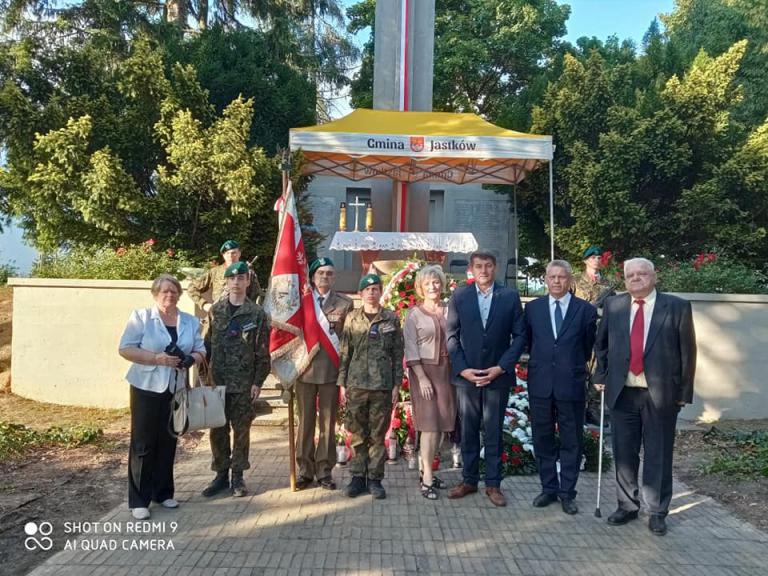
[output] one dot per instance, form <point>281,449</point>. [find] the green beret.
<point>368,280</point>
<point>318,263</point>
<point>592,251</point>
<point>228,245</point>
<point>235,269</point>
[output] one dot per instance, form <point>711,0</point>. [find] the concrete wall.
<point>66,335</point>
<point>732,366</point>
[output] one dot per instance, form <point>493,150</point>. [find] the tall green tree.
<point>485,50</point>
<point>110,139</point>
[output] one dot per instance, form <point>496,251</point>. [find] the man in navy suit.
<point>560,332</point>
<point>646,362</point>
<point>486,335</point>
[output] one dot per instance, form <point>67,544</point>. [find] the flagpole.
<point>286,168</point>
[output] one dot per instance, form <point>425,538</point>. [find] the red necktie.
<point>636,336</point>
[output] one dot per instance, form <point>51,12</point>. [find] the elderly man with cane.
<point>646,363</point>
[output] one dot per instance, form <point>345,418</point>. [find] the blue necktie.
<point>558,318</point>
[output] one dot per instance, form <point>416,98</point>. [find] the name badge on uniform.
<point>249,326</point>
<point>387,327</point>
<point>373,333</point>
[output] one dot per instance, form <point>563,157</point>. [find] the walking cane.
<point>600,453</point>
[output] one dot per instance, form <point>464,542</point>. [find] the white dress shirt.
<point>564,301</point>
<point>484,302</point>
<point>638,380</point>
<point>145,330</point>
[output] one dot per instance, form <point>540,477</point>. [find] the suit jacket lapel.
<point>622,321</point>
<point>494,298</point>
<point>657,319</point>
<point>570,313</point>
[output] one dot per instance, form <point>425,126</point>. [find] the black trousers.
<point>569,417</point>
<point>152,450</point>
<point>636,420</point>
<point>482,407</point>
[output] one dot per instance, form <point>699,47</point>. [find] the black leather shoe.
<point>621,516</point>
<point>543,500</point>
<point>657,524</point>
<point>569,506</point>
<point>327,483</point>
<point>221,482</point>
<point>376,489</point>
<point>302,483</point>
<point>238,485</point>
<point>355,487</point>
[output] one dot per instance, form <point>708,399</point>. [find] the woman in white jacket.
<point>162,343</point>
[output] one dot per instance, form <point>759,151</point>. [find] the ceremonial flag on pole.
<point>298,326</point>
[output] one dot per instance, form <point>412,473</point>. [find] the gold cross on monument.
<point>357,204</point>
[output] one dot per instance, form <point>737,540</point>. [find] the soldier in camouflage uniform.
<point>370,370</point>
<point>209,288</point>
<point>239,341</point>
<point>593,288</point>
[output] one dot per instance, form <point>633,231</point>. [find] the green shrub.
<point>710,273</point>
<point>134,262</point>
<point>6,271</point>
<point>742,454</point>
<point>16,438</point>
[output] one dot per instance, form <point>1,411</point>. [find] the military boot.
<point>221,482</point>
<point>376,489</point>
<point>355,487</point>
<point>238,486</point>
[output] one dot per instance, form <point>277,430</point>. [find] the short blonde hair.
<point>433,271</point>
<point>157,283</point>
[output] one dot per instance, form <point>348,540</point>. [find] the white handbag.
<point>200,407</point>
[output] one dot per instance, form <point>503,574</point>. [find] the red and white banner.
<point>297,333</point>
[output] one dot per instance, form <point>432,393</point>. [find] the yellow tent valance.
<point>419,147</point>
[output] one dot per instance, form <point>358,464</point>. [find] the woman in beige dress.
<point>432,395</point>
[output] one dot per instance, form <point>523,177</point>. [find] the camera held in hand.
<point>186,361</point>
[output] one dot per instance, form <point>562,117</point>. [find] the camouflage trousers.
<point>238,409</point>
<point>368,416</point>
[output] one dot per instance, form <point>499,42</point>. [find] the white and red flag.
<point>298,326</point>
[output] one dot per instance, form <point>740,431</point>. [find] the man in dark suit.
<point>646,361</point>
<point>316,390</point>
<point>486,335</point>
<point>560,332</point>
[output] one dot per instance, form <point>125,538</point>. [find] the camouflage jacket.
<point>239,345</point>
<point>371,356</point>
<point>591,291</point>
<point>213,280</point>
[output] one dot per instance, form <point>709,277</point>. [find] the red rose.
<point>516,461</point>
<point>504,457</point>
<point>170,253</point>
<point>595,434</point>
<point>519,389</point>
<point>405,386</point>
<point>396,422</point>
<point>516,448</point>
<point>402,294</point>
<point>150,242</point>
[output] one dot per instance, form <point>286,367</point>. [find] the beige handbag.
<point>200,407</point>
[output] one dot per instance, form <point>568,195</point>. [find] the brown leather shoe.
<point>496,496</point>
<point>461,490</point>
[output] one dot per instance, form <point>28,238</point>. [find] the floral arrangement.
<point>517,456</point>
<point>610,269</point>
<point>592,452</point>
<point>400,292</point>
<point>402,424</point>
<point>711,273</point>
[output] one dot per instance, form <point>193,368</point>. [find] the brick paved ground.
<point>274,531</point>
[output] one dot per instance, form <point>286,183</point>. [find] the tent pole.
<point>551,214</point>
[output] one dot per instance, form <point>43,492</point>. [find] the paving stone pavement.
<point>317,532</point>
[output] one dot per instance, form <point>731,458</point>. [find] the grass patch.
<point>742,454</point>
<point>17,438</point>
